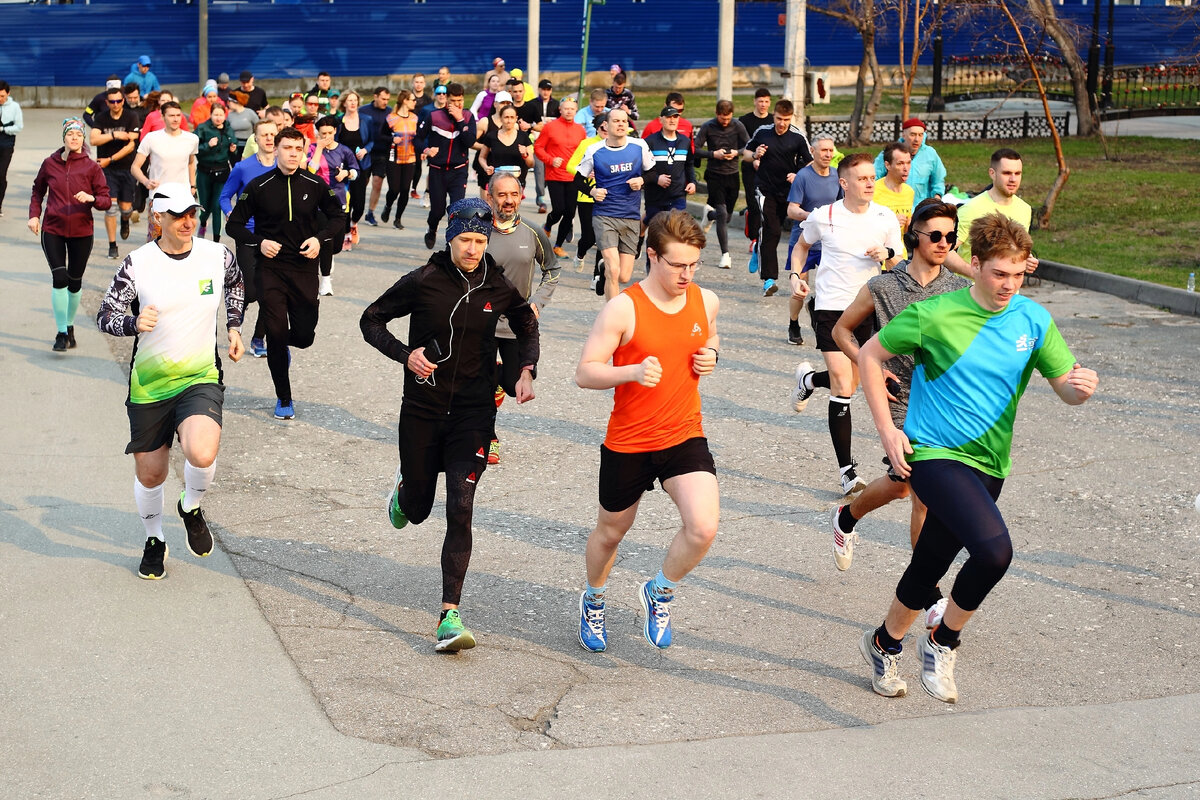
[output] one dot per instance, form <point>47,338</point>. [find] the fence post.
<point>941,135</point>
<point>896,128</point>
<point>983,133</point>
<point>1066,128</point>
<point>1025,126</point>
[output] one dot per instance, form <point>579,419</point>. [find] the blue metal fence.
<point>80,44</point>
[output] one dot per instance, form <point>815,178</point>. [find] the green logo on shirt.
<point>206,287</point>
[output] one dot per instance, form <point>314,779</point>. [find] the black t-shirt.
<point>752,123</point>
<point>506,155</point>
<point>531,111</point>
<point>787,153</point>
<point>256,98</point>
<point>104,123</point>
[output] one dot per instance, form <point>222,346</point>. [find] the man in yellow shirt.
<point>892,192</point>
<point>1005,172</point>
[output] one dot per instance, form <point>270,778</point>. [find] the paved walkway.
<point>297,661</point>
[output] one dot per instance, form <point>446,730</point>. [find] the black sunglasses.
<point>936,236</point>
<point>473,213</point>
<point>118,101</point>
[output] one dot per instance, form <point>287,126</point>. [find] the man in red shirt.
<point>651,344</point>
<point>554,148</point>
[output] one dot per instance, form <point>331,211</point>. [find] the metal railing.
<point>943,128</point>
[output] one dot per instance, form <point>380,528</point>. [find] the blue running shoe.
<point>284,412</point>
<point>753,265</point>
<point>592,635</point>
<point>769,287</point>
<point>370,219</point>
<point>657,629</point>
<point>258,348</point>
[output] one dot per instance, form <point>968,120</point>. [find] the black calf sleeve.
<point>840,429</point>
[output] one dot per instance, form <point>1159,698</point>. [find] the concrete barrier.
<point>1177,301</point>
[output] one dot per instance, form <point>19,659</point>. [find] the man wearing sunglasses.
<point>930,239</point>
<point>856,236</point>
<point>185,289</point>
<point>115,133</point>
<point>448,411</point>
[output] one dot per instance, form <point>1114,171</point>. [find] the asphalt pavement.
<point>297,660</point>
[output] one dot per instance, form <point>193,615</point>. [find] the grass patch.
<point>1136,215</point>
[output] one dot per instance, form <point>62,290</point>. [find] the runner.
<point>506,147</point>
<point>673,176</point>
<point>584,204</point>
<point>777,153</point>
<point>11,123</point>
<point>247,170</point>
<point>856,235</point>
<point>522,251</point>
<point>256,98</point>
<point>537,112</point>
<point>1005,171</point>
<point>927,174</point>
<point>721,140</point>
<point>286,204</point>
<point>445,140</point>
<point>975,351</point>
<point>448,412</point>
<point>172,153</point>
<point>554,147</point>
<point>175,383</point>
<point>355,132</point>
<point>71,185</point>
<point>375,117</point>
<point>619,96</point>
<point>758,116</point>
<point>660,336</point>
<point>115,136</point>
<point>814,186</point>
<point>617,164</point>
<point>929,241</point>
<point>421,98</point>
<point>335,164</point>
<point>673,100</point>
<point>401,157</point>
<point>892,191</point>
<point>212,168</point>
<point>139,73</point>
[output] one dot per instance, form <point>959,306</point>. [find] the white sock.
<point>195,483</point>
<point>150,507</point>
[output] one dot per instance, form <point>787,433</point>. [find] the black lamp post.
<point>936,103</point>
<point>1106,97</point>
<point>1093,67</point>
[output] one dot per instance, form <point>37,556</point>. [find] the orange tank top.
<point>647,419</point>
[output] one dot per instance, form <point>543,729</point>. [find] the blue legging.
<point>962,513</point>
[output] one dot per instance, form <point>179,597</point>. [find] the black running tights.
<point>67,258</point>
<point>962,513</point>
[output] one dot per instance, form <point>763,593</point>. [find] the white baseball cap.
<point>173,198</point>
<point>503,97</point>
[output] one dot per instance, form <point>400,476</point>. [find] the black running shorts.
<point>823,322</point>
<point>154,425</point>
<point>625,476</point>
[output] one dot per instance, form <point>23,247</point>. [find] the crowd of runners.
<point>908,293</point>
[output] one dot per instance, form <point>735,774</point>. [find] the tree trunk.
<point>1043,11</point>
<point>867,129</point>
<point>860,88</point>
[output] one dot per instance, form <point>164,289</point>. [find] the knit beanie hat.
<point>469,215</point>
<point>71,124</point>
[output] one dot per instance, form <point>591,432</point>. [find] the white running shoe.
<point>425,200</point>
<point>579,265</point>
<point>710,216</point>
<point>885,667</point>
<point>937,670</point>
<point>933,617</point>
<point>325,286</point>
<point>800,395</point>
<point>726,261</point>
<point>851,483</point>
<point>843,543</point>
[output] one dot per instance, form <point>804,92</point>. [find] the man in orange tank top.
<point>652,344</point>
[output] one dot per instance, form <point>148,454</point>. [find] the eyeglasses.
<point>936,236</point>
<point>116,102</point>
<point>695,265</point>
<point>473,213</point>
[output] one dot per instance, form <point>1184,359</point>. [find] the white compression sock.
<point>195,483</point>
<point>150,508</point>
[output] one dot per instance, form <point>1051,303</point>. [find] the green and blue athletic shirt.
<point>972,366</point>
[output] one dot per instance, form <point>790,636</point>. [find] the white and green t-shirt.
<point>188,290</point>
<point>972,366</point>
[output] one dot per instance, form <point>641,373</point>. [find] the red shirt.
<point>558,139</point>
<point>648,419</point>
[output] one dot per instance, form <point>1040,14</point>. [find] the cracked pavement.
<point>300,658</point>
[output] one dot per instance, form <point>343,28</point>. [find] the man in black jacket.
<point>449,411</point>
<point>444,139</point>
<point>294,212</point>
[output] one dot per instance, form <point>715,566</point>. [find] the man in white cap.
<point>185,287</point>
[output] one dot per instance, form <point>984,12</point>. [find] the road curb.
<point>1177,301</point>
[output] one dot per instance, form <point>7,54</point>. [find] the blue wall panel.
<point>82,44</point>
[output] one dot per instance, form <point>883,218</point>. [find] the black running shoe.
<point>70,336</point>
<point>794,334</point>
<point>113,253</point>
<point>387,212</point>
<point>199,538</point>
<point>125,227</point>
<point>430,238</point>
<point>154,557</point>
<point>60,342</point>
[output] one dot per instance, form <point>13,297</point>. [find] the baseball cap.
<point>516,73</point>
<point>173,198</point>
<point>912,122</point>
<point>223,77</point>
<point>669,111</point>
<point>497,61</point>
<point>440,90</point>
<point>144,60</point>
<point>545,84</point>
<point>503,97</point>
<point>112,83</point>
<point>246,75</point>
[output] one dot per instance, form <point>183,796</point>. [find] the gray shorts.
<point>623,234</point>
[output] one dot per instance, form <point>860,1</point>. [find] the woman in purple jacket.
<point>71,185</point>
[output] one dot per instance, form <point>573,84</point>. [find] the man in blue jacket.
<point>139,73</point>
<point>444,139</point>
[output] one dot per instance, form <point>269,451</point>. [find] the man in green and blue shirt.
<point>974,350</point>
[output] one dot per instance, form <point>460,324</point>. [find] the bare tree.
<point>1041,217</point>
<point>920,39</point>
<point>1043,15</point>
<point>863,16</point>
